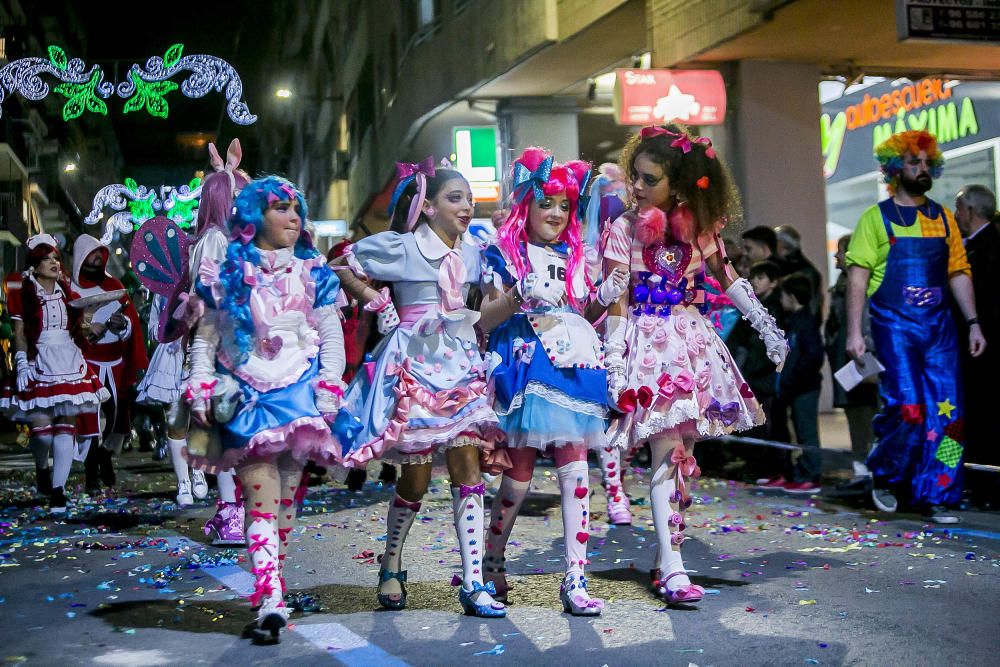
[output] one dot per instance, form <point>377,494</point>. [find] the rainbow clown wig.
<point>244,224</point>
<point>891,153</point>
<point>537,176</point>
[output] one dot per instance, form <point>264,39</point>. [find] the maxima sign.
<point>656,96</point>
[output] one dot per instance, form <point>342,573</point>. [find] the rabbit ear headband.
<point>233,156</point>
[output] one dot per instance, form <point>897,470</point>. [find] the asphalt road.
<point>791,581</point>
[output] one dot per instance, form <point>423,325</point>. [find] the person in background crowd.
<point>861,403</point>
<point>906,254</point>
<point>760,243</point>
<point>799,382</point>
<point>976,215</point>
<point>115,350</point>
<point>789,252</point>
<point>749,351</point>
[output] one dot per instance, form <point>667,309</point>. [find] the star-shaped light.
<point>932,435</point>
<point>946,408</point>
<point>943,480</point>
<point>676,105</point>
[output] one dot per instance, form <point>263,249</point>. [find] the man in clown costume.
<point>906,255</point>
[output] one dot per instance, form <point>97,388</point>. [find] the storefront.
<point>963,115</point>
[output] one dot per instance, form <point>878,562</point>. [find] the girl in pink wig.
<point>546,360</point>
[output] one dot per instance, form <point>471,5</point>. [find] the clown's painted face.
<point>649,183</point>
<point>916,175</point>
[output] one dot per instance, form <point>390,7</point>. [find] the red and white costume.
<point>116,359</point>
<point>60,383</point>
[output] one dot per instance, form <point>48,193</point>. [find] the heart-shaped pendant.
<point>669,260</point>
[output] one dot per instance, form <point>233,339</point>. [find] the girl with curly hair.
<point>674,380</point>
<point>266,367</point>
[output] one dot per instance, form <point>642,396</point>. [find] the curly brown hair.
<point>710,201</point>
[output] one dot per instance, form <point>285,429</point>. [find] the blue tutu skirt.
<point>539,405</point>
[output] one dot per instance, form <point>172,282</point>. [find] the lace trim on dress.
<point>557,398</point>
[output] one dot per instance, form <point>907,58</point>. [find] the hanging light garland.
<point>145,87</point>
<point>135,204</point>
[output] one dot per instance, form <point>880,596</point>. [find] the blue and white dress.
<point>424,386</point>
<point>546,369</point>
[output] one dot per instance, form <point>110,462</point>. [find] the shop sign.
<point>656,96</point>
<point>955,113</point>
<point>475,150</point>
<point>948,20</point>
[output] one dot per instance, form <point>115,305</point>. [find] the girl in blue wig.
<point>266,364</point>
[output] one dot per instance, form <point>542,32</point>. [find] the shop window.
<point>965,166</point>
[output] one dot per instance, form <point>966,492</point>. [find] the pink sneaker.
<point>227,524</point>
<point>619,512</point>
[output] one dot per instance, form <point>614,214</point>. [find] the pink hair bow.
<point>653,131</point>
<point>244,235</point>
<point>685,462</point>
<point>425,167</point>
<point>685,143</point>
<point>478,489</point>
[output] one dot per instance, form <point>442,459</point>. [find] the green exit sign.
<point>475,150</point>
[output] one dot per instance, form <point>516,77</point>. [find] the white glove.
<point>386,317</point>
<point>614,356</point>
<point>534,287</point>
<point>23,371</point>
<point>329,395</point>
<point>612,287</point>
<point>742,296</point>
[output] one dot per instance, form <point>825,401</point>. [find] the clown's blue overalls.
<point>919,448</point>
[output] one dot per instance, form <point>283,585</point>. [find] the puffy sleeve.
<point>212,246</point>
<point>207,284</point>
<point>619,245</point>
<point>327,286</point>
<point>495,268</point>
<point>381,256</point>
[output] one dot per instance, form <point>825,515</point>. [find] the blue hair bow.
<point>532,181</point>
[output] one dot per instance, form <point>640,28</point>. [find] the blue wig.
<point>244,225</point>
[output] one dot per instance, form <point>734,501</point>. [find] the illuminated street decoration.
<point>145,87</point>
<point>135,204</point>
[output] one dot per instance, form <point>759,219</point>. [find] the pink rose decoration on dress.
<point>647,324</point>
<point>681,325</point>
<point>649,361</point>
<point>659,337</point>
<point>696,344</point>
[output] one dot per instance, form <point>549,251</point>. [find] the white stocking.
<point>62,454</point>
<point>227,485</point>
<point>503,512</point>
<point>469,529</point>
<point>178,460</point>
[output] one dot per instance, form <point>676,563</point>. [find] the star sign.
<point>946,408</point>
<point>932,435</point>
<point>676,105</point>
